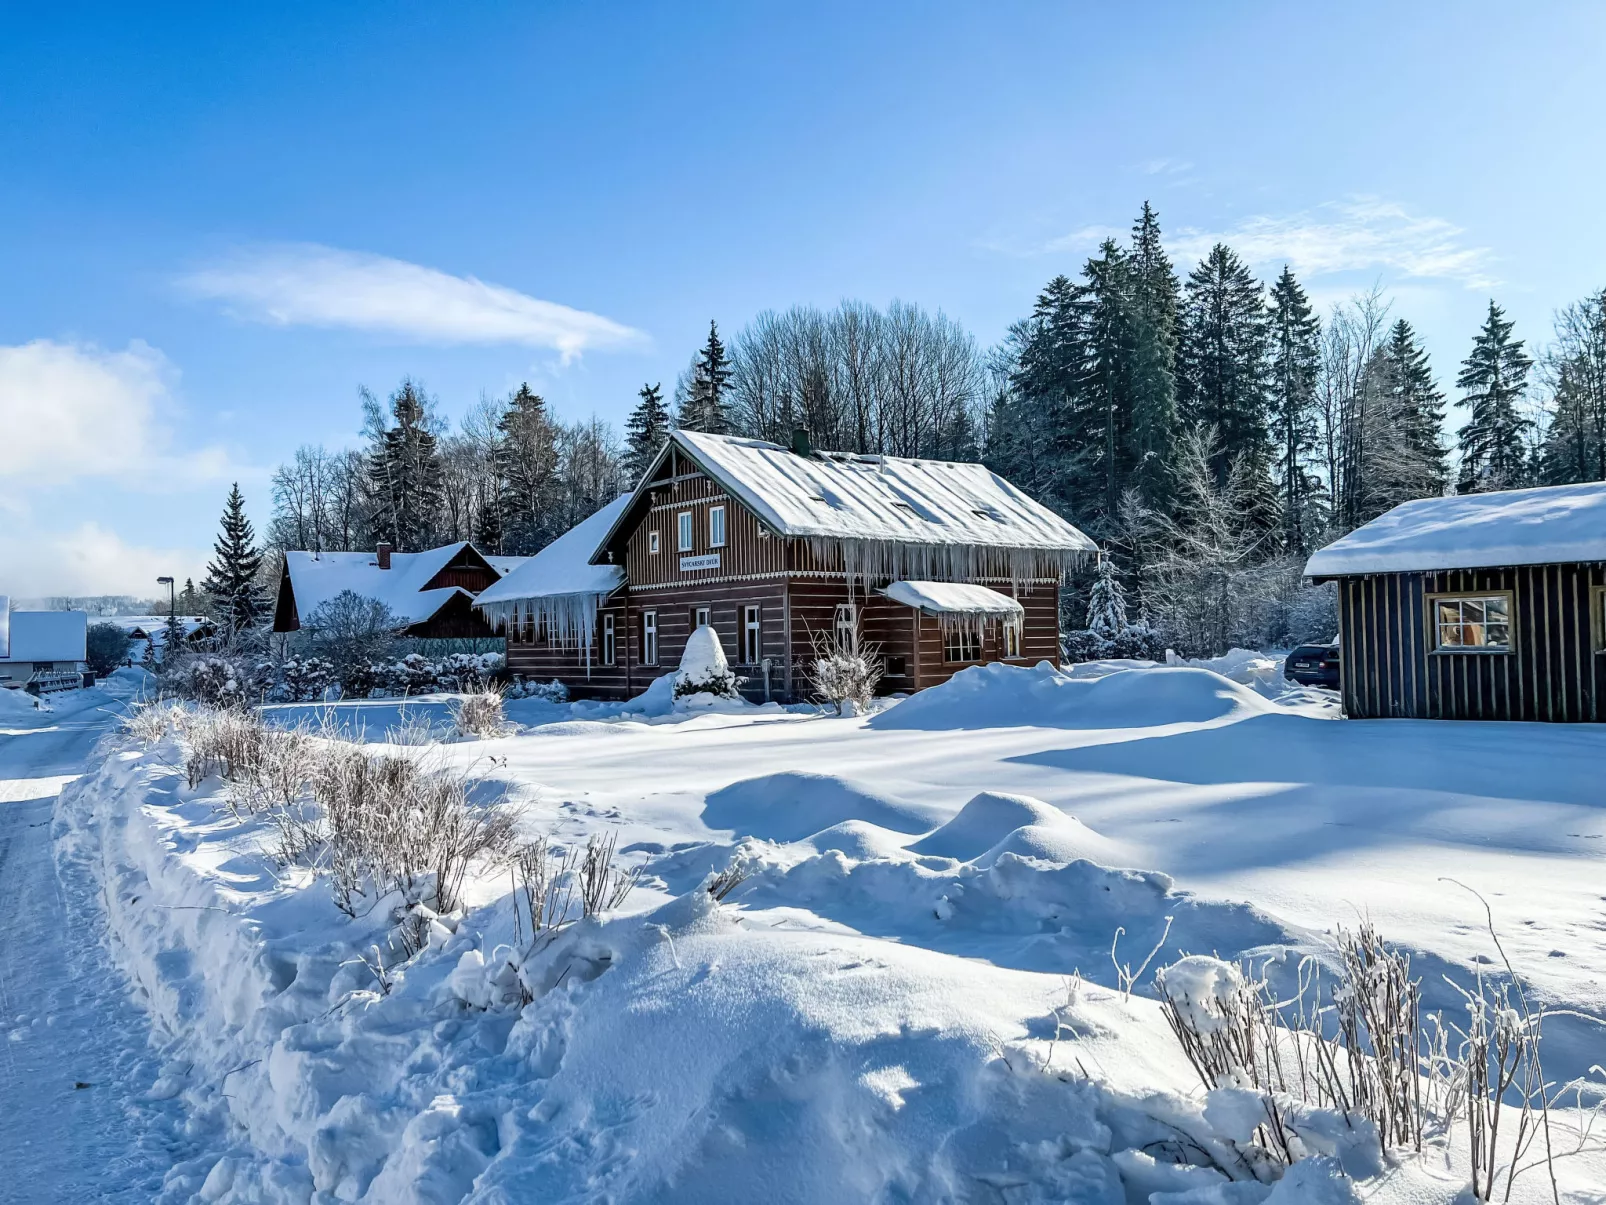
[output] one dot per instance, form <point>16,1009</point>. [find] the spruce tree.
<point>1420,406</point>
<point>1106,604</point>
<point>528,466</point>
<point>1295,359</point>
<point>1153,383</point>
<point>1105,400</point>
<point>231,577</point>
<point>1044,422</point>
<point>404,476</point>
<point>1492,381</point>
<point>645,432</point>
<point>1222,359</point>
<point>704,406</point>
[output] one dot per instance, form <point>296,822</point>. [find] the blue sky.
<point>216,222</point>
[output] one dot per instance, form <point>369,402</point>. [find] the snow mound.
<point>1068,840</point>
<point>985,821</point>
<point>1009,696</point>
<point>793,805</point>
<point>19,703</point>
<point>859,840</point>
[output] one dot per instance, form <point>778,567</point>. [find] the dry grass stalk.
<point>480,714</point>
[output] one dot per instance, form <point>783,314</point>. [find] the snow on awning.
<point>957,604</point>
<point>558,587</point>
<point>1558,524</point>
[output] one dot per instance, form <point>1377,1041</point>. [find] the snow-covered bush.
<point>468,671</point>
<point>305,679</point>
<point>548,692</point>
<point>209,678</point>
<point>1136,641</point>
<point>845,672</point>
<point>1106,605</point>
<point>703,668</point>
<point>149,720</point>
<point>413,674</point>
<point>354,634</point>
<point>479,713</point>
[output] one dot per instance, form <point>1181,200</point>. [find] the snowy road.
<point>75,1064</point>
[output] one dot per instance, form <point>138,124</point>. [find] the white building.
<point>40,642</point>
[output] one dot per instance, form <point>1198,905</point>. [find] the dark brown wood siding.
<point>1554,670</point>
<point>531,655</point>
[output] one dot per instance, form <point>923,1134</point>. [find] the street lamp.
<point>172,614</point>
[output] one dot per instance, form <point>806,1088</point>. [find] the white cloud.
<point>87,559</point>
<point>309,285</point>
<point>1166,167</point>
<point>1361,235</point>
<point>71,411</point>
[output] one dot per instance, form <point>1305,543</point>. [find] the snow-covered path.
<point>75,1064</point>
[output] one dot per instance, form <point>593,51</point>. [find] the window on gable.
<point>685,530</point>
<point>1473,623</point>
<point>716,527</point>
<point>652,541</point>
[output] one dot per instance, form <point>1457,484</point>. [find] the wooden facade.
<point>766,596</point>
<point>1552,667</point>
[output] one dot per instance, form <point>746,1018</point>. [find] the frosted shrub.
<point>548,692</point>
<point>208,678</point>
<point>845,670</point>
<point>480,714</point>
<point>306,679</point>
<point>468,671</point>
<point>227,742</point>
<point>703,668</point>
<point>149,720</point>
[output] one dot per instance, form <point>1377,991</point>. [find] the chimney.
<point>382,555</point>
<point>800,442</point>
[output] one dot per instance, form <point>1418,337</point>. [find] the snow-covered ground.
<point>910,998</point>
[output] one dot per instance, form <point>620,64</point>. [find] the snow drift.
<point>1004,696</point>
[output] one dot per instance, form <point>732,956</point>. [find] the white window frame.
<point>1012,638</point>
<point>701,616</point>
<point>961,639</point>
<point>685,529</point>
<point>845,627</point>
<point>1597,617</point>
<point>652,542</point>
<point>1470,627</point>
<point>716,527</point>
<point>649,637</point>
<point>610,642</point>
<point>752,634</point>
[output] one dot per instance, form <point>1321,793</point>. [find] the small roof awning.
<point>955,599</point>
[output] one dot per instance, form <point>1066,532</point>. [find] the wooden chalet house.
<point>1483,607</point>
<point>941,565</point>
<point>429,592</point>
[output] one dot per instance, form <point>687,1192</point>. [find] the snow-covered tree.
<point>1222,368</point>
<point>703,668</point>
<point>1153,385</point>
<point>1106,605</point>
<point>1295,363</point>
<point>527,461</point>
<point>231,576</point>
<point>1493,379</point>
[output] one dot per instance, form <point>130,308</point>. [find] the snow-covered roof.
<point>1550,525</point>
<point>318,577</point>
<point>558,585</point>
<point>155,624</point>
<point>838,495</point>
<point>47,636</point>
<point>953,598</point>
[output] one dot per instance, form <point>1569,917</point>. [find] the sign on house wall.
<point>709,560</point>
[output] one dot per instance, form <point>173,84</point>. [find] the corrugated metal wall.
<point>1553,672</point>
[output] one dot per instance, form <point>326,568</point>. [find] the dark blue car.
<point>1313,665</point>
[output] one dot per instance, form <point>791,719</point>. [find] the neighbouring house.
<point>36,645</point>
<point>146,630</point>
<point>1482,607</point>
<point>937,564</point>
<point>429,592</point>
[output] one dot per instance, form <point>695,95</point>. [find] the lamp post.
<point>172,614</point>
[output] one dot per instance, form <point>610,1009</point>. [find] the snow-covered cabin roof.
<point>1551,525</point>
<point>890,515</point>
<point>156,624</point>
<point>47,636</point>
<point>317,577</point>
<point>559,586</point>
<point>954,598</point>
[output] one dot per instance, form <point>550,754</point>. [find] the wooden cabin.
<point>1483,607</point>
<point>430,593</point>
<point>939,565</point>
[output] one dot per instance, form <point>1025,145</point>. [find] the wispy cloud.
<point>1166,167</point>
<point>1360,235</point>
<point>310,285</point>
